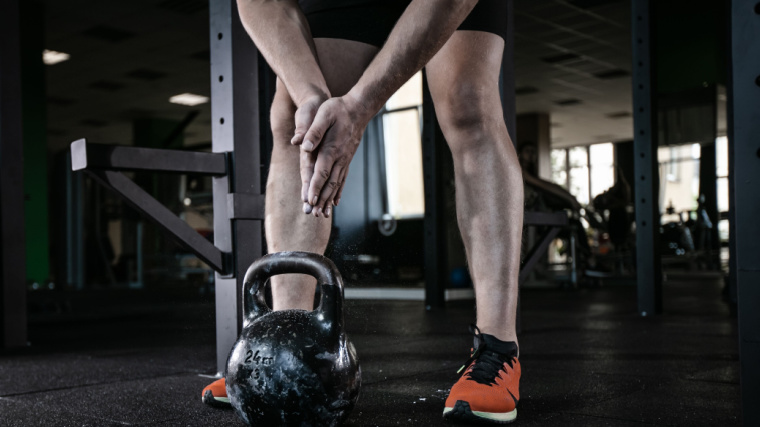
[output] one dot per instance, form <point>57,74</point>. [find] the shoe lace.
<point>486,363</point>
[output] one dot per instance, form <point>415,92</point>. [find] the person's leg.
<point>287,227</point>
<point>464,83</point>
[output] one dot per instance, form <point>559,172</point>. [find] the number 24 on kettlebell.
<point>250,357</point>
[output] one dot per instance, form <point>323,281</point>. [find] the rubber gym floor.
<point>115,358</point>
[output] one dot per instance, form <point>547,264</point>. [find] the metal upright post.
<point>237,199</point>
<point>507,77</point>
<point>745,121</point>
<point>75,264</point>
<point>649,267</point>
<point>732,287</point>
<point>435,247</point>
<point>13,326</point>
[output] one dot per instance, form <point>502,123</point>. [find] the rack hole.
<point>221,79</point>
<point>757,81</point>
<point>643,200</point>
<point>221,121</point>
<point>642,155</point>
<point>757,8</point>
<point>219,36</point>
<point>643,177</point>
<point>643,223</point>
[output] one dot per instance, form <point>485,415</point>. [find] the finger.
<point>322,170</point>
<point>328,192</point>
<point>330,200</point>
<point>341,185</point>
<point>307,161</point>
<point>304,117</point>
<point>319,126</point>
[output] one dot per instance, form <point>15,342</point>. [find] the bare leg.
<point>464,83</point>
<point>287,227</point>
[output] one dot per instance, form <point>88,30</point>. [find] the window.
<point>602,167</point>
<point>579,174</point>
<point>585,171</point>
<point>402,137</point>
<point>559,167</point>
<point>721,158</point>
<point>672,165</point>
<point>679,177</point>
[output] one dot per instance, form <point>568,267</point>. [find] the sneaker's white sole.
<point>500,417</point>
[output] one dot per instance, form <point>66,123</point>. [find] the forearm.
<point>280,31</point>
<point>421,31</point>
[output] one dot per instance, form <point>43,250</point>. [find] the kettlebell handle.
<point>315,265</point>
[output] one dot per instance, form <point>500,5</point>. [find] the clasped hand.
<point>327,147</point>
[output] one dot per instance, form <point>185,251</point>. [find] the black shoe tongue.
<point>505,348</point>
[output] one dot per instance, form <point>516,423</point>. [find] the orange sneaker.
<point>489,389</point>
<point>215,394</point>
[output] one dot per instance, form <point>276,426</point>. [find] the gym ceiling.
<point>572,60</point>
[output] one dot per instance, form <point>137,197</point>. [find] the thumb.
<point>304,117</point>
<point>320,125</point>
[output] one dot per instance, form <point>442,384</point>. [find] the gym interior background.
<point>625,112</point>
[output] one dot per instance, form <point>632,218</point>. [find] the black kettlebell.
<point>293,367</point>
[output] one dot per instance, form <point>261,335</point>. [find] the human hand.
<point>303,119</point>
<point>305,116</point>
<point>326,152</point>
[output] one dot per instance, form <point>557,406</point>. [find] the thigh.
<point>464,75</point>
<point>343,62</point>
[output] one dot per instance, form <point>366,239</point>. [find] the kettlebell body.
<point>293,367</point>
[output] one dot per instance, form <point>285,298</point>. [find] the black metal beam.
<point>74,219</point>
<point>13,326</point>
<point>166,219</point>
<point>745,97</point>
<point>90,156</point>
<point>538,251</point>
<point>434,226</point>
<point>731,214</point>
<point>236,129</point>
<point>648,264</point>
<point>246,206</point>
<point>507,77</point>
<point>556,219</point>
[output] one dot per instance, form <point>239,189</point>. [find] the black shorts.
<point>371,21</point>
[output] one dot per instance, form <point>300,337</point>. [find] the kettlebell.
<point>293,367</point>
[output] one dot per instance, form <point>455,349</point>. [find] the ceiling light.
<point>188,99</point>
<point>50,57</point>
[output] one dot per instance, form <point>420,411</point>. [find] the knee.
<point>463,107</point>
<point>281,116</point>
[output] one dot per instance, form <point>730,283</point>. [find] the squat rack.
<point>235,164</point>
